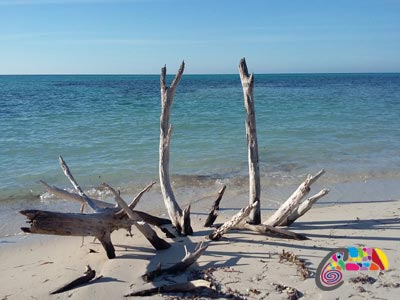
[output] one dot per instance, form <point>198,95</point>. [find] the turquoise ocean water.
<point>107,129</point>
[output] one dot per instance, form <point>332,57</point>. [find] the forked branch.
<point>180,219</point>
<point>291,204</point>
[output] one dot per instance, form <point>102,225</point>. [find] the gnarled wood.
<point>180,220</point>
<point>212,216</point>
<point>157,242</point>
<point>252,145</point>
<point>291,204</point>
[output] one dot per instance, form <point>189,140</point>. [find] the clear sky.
<point>140,36</point>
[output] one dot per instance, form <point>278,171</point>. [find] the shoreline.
<point>242,261</point>
<point>202,192</point>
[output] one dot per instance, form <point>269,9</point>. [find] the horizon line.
<point>197,74</point>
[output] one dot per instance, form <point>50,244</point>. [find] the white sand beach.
<point>242,263</point>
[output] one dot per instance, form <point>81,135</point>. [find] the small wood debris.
<point>88,276</point>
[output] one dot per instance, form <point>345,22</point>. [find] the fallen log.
<point>212,216</point>
<point>189,259</point>
<point>180,219</point>
<point>88,276</point>
<point>190,286</point>
<point>99,225</point>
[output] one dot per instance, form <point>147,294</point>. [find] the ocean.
<point>107,129</point>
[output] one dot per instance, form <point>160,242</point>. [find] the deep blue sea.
<point>107,129</point>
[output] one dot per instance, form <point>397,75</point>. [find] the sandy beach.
<point>243,263</point>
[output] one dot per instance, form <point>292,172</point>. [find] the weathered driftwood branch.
<point>189,259</point>
<point>63,194</point>
<point>71,178</point>
<point>157,242</point>
<point>88,276</point>
<point>190,286</point>
<point>212,216</point>
<point>304,207</point>
<point>180,219</point>
<point>271,231</point>
<point>291,204</point>
<point>232,223</point>
<point>252,145</point>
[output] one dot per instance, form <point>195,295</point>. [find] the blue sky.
<point>140,36</point>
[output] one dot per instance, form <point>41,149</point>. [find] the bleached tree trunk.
<point>252,145</point>
<point>180,219</point>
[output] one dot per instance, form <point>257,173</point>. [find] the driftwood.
<point>232,223</point>
<point>186,262</point>
<point>88,276</point>
<point>189,286</point>
<point>293,202</point>
<point>180,219</point>
<point>289,211</point>
<point>212,216</point>
<point>252,145</point>
<point>99,224</point>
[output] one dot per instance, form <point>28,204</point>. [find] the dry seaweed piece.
<point>302,269</point>
<point>293,294</point>
<point>363,279</point>
<point>390,285</point>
